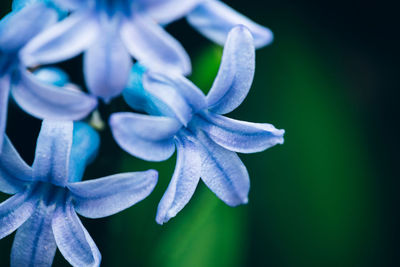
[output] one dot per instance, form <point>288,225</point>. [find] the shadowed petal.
<point>179,94</point>
<point>184,181</point>
<point>153,47</point>
<point>34,243</point>
<point>134,94</point>
<point>107,66</point>
<point>235,74</point>
<point>239,136</point>
<point>73,240</point>
<point>15,211</point>
<point>62,41</point>
<point>166,11</point>
<point>53,150</point>
<point>214,19</point>
<point>4,95</point>
<point>14,172</point>
<point>85,144</point>
<point>20,26</point>
<point>144,136</point>
<point>106,196</point>
<point>223,172</point>
<point>47,101</point>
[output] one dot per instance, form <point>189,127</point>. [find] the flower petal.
<point>14,172</point>
<point>73,240</point>
<point>47,101</point>
<point>184,181</point>
<point>215,19</point>
<point>239,136</point>
<point>53,150</point>
<point>153,47</point>
<point>147,137</point>
<point>107,66</point>
<point>109,195</point>
<point>223,172</point>
<point>15,211</point>
<point>4,95</point>
<point>20,26</point>
<point>62,41</point>
<point>34,243</point>
<point>166,11</point>
<point>235,74</point>
<point>135,95</point>
<point>72,4</point>
<point>176,92</point>
<point>85,145</point>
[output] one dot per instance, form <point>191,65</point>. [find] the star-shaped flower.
<point>48,195</point>
<point>39,99</point>
<point>182,118</point>
<point>109,32</point>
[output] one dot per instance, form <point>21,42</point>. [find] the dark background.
<point>327,197</point>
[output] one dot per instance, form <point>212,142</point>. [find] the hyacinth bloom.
<point>47,196</point>
<point>182,118</point>
<point>39,99</point>
<point>109,32</point>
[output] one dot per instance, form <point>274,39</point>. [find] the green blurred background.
<point>327,197</point>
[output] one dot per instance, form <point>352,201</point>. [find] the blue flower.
<point>47,196</point>
<point>182,118</point>
<point>39,99</point>
<point>109,32</point>
<point>212,18</point>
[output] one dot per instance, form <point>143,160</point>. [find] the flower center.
<point>113,7</point>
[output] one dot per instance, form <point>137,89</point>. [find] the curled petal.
<point>53,150</point>
<point>21,26</point>
<point>135,95</point>
<point>106,196</point>
<point>166,11</point>
<point>73,240</point>
<point>239,136</point>
<point>47,101</point>
<point>15,211</point>
<point>184,181</point>
<point>4,95</point>
<point>85,145</point>
<point>107,66</point>
<point>223,172</point>
<point>176,92</point>
<point>34,243</point>
<point>14,172</point>
<point>62,41</point>
<point>153,47</point>
<point>235,74</point>
<point>147,137</point>
<point>214,19</point>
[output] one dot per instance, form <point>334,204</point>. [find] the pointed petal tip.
<point>265,38</point>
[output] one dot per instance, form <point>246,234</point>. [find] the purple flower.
<point>47,196</point>
<point>182,118</point>
<point>39,99</point>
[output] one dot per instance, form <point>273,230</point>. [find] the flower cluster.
<point>126,51</point>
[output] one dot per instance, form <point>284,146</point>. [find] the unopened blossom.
<point>183,119</point>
